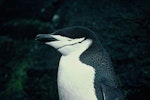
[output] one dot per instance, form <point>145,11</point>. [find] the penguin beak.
<point>45,38</point>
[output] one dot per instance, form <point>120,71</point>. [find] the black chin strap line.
<point>72,44</point>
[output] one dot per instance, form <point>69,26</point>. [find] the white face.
<point>67,45</point>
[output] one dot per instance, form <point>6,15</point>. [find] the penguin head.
<point>69,40</point>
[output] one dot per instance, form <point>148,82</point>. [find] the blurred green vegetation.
<point>15,84</point>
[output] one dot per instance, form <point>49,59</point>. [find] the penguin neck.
<point>78,49</point>
<point>92,54</point>
<point>75,78</point>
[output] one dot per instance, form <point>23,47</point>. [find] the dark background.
<point>28,68</point>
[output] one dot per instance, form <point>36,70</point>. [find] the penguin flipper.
<point>111,93</point>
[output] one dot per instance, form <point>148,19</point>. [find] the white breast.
<point>75,79</point>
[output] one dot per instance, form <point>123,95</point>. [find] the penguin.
<point>85,69</point>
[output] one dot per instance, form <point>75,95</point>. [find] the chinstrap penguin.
<point>85,70</point>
